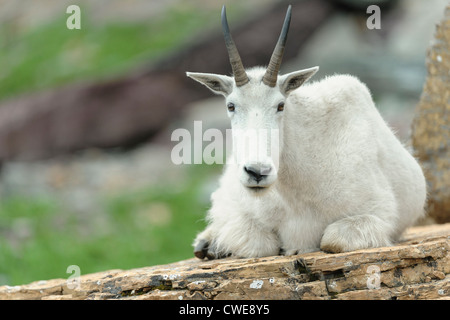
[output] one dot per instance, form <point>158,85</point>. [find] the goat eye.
<point>230,107</point>
<point>280,106</point>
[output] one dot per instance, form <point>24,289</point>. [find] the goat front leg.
<point>234,234</point>
<point>356,232</point>
<point>300,233</point>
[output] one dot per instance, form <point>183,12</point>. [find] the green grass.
<point>52,55</point>
<point>39,239</point>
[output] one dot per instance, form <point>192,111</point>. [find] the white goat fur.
<point>345,182</point>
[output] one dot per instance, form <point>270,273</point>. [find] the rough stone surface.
<point>416,268</point>
<point>431,126</point>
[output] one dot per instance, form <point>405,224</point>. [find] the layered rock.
<point>416,268</point>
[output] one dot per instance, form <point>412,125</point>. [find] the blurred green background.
<point>149,226</point>
<point>40,234</point>
<point>49,54</point>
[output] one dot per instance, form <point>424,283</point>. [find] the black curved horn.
<point>240,77</point>
<point>271,75</point>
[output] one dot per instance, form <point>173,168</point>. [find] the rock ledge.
<point>416,268</point>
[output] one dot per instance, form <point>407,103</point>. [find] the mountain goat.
<point>339,181</point>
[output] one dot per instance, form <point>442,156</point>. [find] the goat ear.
<point>219,84</point>
<point>291,81</point>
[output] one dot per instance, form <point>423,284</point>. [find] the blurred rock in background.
<point>431,126</point>
<point>132,108</point>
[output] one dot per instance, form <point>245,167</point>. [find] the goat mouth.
<point>257,188</point>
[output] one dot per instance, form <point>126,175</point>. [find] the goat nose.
<point>256,172</point>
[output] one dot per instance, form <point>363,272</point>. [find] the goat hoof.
<point>201,249</point>
<point>212,253</point>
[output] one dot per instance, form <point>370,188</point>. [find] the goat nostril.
<point>253,172</point>
<point>257,173</point>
